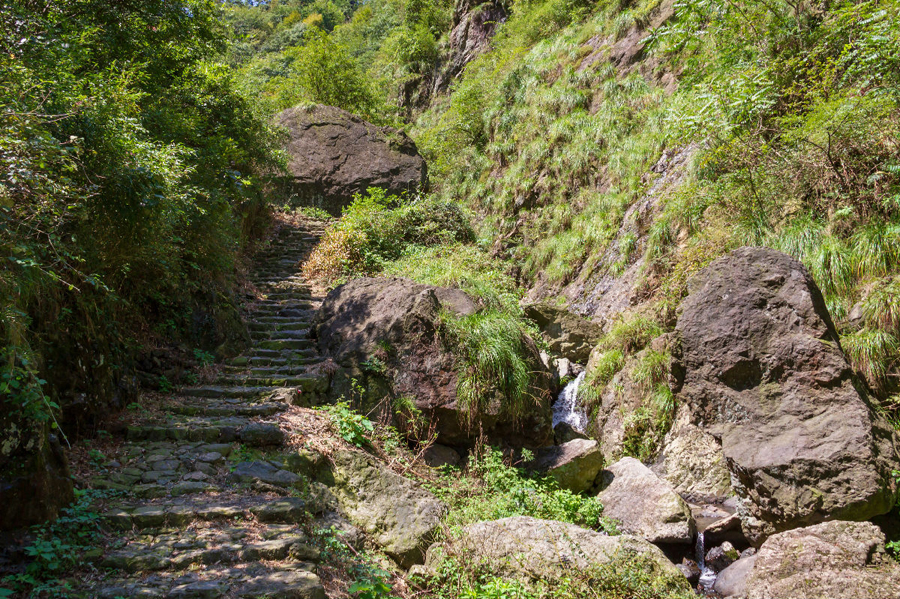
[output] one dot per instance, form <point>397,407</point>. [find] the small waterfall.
<point>707,574</point>
<point>566,407</point>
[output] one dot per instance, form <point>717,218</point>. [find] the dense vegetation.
<point>128,190</point>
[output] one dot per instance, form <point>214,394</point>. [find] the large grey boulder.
<point>528,548</point>
<point>397,321</point>
<point>832,560</point>
<point>732,581</point>
<point>568,334</point>
<point>398,514</point>
<point>645,505</point>
<point>573,465</point>
<point>333,154</point>
<point>764,374</point>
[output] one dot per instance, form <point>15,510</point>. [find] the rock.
<point>441,455</point>
<point>258,434</point>
<point>289,395</point>
<point>763,373</point>
<point>306,462</point>
<point>292,584</point>
<point>286,509</point>
<point>473,27</point>
<point>398,514</point>
<point>726,530</point>
<point>692,460</point>
<point>690,569</point>
<point>189,488</point>
<point>248,472</point>
<point>360,319</point>
<point>732,581</point>
<point>568,334</point>
<point>525,547</point>
<point>564,432</point>
<point>573,465</point>
<point>719,558</point>
<point>333,154</point>
<point>644,504</point>
<point>834,559</point>
<point>199,590</point>
<point>35,482</point>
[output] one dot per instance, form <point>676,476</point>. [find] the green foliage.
<point>351,426</point>
<point>58,547</point>
<point>630,335</point>
<point>494,490</point>
<point>205,358</point>
<point>377,228</point>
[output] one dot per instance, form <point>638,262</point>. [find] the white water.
<point>707,574</point>
<point>566,407</point>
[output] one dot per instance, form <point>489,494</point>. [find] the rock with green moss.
<point>832,560</point>
<point>528,548</point>
<point>573,465</point>
<point>398,514</point>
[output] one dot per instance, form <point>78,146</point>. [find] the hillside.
<point>532,299</point>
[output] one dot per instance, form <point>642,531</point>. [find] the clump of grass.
<point>494,363</point>
<point>881,308</point>
<point>604,367</point>
<point>874,353</point>
<point>630,335</point>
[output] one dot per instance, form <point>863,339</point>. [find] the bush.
<point>377,228</point>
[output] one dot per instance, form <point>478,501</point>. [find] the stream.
<point>566,408</point>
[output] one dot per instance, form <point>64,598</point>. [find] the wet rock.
<point>835,560</point>
<point>690,569</point>
<point>564,432</point>
<point>732,581</point>
<point>764,373</point>
<point>333,154</point>
<point>441,455</point>
<point>644,504</point>
<point>719,558</point>
<point>524,547</point>
<point>398,514</point>
<point>359,319</point>
<point>573,465</point>
<point>257,434</point>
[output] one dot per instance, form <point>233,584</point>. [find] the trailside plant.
<point>351,426</point>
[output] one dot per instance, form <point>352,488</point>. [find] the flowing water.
<point>566,408</point>
<point>707,574</point>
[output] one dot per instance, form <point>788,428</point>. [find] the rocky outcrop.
<point>644,505</point>
<point>399,515</point>
<point>474,23</point>
<point>764,374</point>
<point>691,459</point>
<point>333,154</point>
<point>396,321</point>
<point>567,334</point>
<point>833,559</point>
<point>573,465</point>
<point>529,548</point>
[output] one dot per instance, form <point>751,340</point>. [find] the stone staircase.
<point>211,507</point>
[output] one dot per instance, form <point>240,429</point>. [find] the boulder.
<point>441,455</point>
<point>726,530</point>
<point>399,515</point>
<point>564,432</point>
<point>568,334</point>
<point>732,581</point>
<point>528,548</point>
<point>397,321</point>
<point>573,465</point>
<point>720,557</point>
<point>333,154</point>
<point>764,374</point>
<point>691,459</point>
<point>834,559</point>
<point>645,505</point>
<point>690,569</point>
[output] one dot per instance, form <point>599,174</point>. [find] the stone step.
<point>307,383</point>
<point>279,335</point>
<point>226,409</point>
<point>225,391</point>
<point>197,429</point>
<point>290,325</point>
<point>172,514</point>
<point>296,344</point>
<point>297,367</point>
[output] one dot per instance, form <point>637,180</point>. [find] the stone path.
<point>213,505</point>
